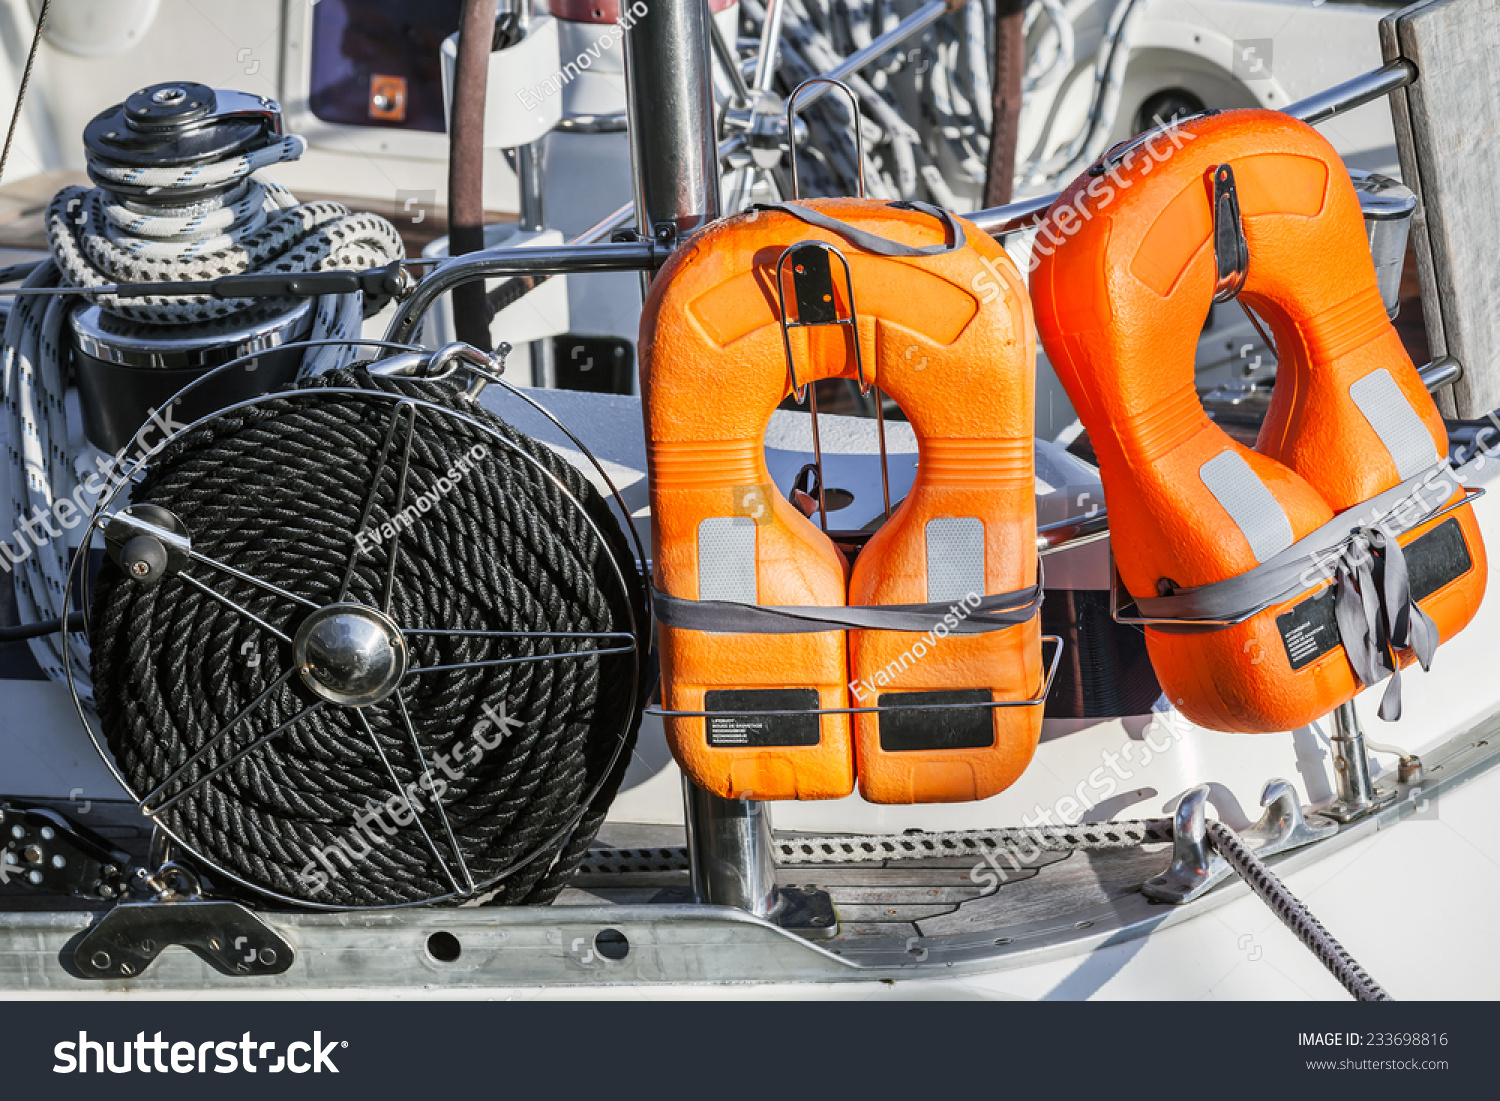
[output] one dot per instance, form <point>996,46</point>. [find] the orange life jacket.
<point>1132,255</point>
<point>959,362</point>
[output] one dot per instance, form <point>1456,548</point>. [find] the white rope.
<point>39,470</point>
<point>97,238</point>
<point>1062,43</point>
<point>212,174</point>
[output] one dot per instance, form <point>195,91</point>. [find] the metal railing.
<point>586,256</point>
<point>998,221</point>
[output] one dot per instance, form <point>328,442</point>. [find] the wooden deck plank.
<point>1448,137</point>
<point>1087,880</point>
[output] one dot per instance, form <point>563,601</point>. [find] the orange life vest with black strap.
<point>770,680</point>
<point>1276,581</point>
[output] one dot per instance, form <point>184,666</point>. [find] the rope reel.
<point>360,643</point>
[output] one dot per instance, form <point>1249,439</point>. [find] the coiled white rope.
<point>97,238</point>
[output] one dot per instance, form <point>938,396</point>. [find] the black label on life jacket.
<point>1309,629</point>
<point>741,727</point>
<point>1440,556</point>
<point>947,728</point>
<point>812,285</point>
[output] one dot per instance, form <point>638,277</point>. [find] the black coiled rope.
<point>276,491</point>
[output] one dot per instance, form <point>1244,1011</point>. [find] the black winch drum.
<point>128,370</point>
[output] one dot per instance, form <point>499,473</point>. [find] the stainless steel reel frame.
<point>414,361</point>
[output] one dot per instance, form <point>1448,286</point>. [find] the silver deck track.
<point>901,920</point>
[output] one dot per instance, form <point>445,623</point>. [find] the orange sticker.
<point>388,98</point>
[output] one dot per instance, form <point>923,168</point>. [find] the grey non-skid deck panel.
<point>1448,137</point>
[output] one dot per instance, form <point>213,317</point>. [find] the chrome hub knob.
<point>350,654</point>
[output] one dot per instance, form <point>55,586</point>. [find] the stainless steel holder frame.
<point>880,709</point>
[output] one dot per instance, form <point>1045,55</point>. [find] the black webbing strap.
<point>873,242</point>
<point>989,613</point>
<point>1374,609</point>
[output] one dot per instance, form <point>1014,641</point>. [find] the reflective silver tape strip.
<point>1395,422</point>
<point>726,559</point>
<point>1249,504</point>
<point>955,558</point>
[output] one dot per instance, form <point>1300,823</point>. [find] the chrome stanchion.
<point>731,851</point>
<point>1358,795</point>
<point>733,859</point>
<point>674,158</point>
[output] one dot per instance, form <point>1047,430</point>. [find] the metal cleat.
<point>1283,827</point>
<point>1196,868</point>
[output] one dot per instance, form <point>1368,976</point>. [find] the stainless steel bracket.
<point>1231,253</point>
<point>127,939</point>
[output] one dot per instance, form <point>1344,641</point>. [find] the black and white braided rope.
<point>1295,915</point>
<point>841,849</point>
